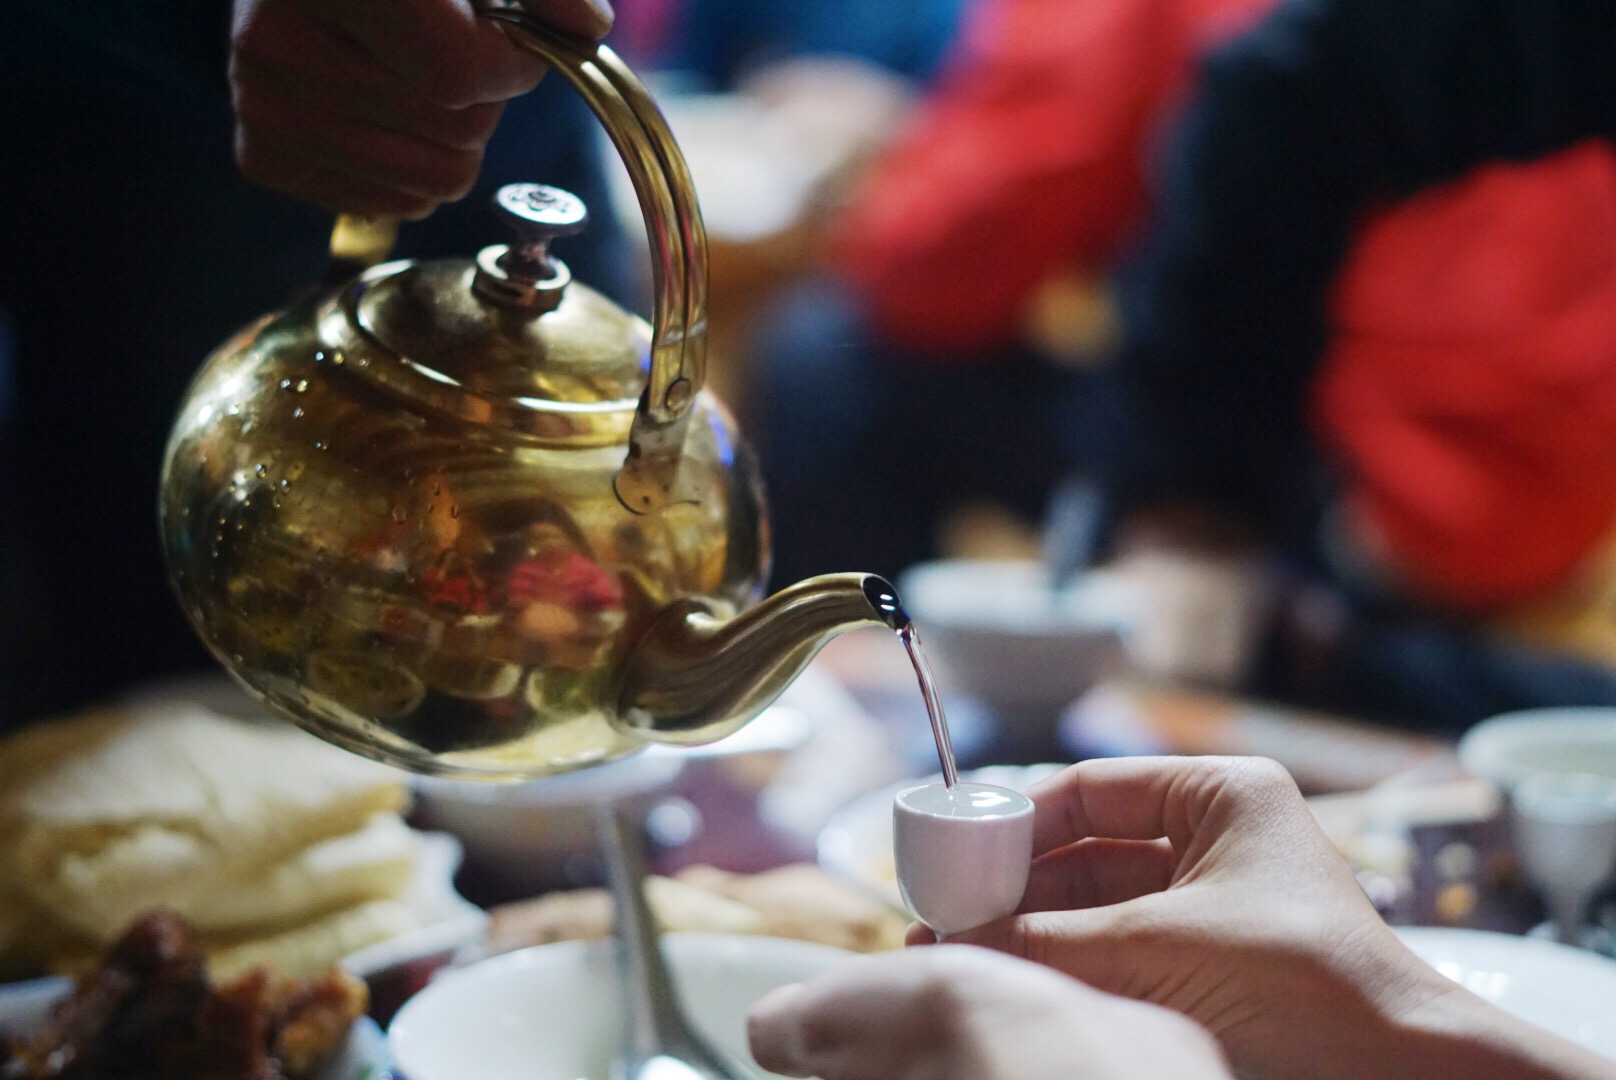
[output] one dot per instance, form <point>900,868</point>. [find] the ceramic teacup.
<point>1564,827</point>
<point>962,853</point>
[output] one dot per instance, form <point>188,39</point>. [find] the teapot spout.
<point>696,676</point>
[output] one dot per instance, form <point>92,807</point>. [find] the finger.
<point>586,18</point>
<point>1104,947</point>
<point>287,171</point>
<point>1098,872</point>
<point>918,934</point>
<point>1147,798</point>
<point>775,1034</point>
<point>441,46</point>
<point>364,151</point>
<point>320,75</point>
<point>862,1023</point>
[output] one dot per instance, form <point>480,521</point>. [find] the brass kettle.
<point>470,518</point>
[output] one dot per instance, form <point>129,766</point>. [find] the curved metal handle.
<point>667,199</point>
<point>649,478</point>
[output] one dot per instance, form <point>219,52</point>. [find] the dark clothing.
<point>867,449</point>
<point>1297,129</point>
<point>720,41</point>
<point>1324,113</point>
<point>130,247</point>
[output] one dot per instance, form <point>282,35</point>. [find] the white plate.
<point>1567,991</point>
<point>25,1006</point>
<point>1508,747</point>
<point>856,843</point>
<point>448,920</point>
<point>554,1012</point>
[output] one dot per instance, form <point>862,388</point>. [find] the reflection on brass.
<point>390,510</point>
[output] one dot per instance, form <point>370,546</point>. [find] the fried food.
<point>150,1011</point>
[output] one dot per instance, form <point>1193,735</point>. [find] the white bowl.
<point>1507,748</point>
<point>552,1012</point>
<point>1000,633</point>
<point>537,835</point>
<point>540,834</point>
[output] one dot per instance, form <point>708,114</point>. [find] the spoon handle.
<point>650,1010</point>
<point>659,1042</point>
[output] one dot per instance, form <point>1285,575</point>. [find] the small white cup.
<point>962,853</point>
<point>1565,838</point>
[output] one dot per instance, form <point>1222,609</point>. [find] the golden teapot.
<point>470,518</point>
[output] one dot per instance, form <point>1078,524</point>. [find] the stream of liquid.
<point>884,599</point>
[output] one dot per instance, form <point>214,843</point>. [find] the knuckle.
<point>1264,775</point>
<point>1026,939</point>
<point>462,175</point>
<point>469,128</point>
<point>439,173</point>
<point>451,80</point>
<point>253,110</point>
<point>254,162</point>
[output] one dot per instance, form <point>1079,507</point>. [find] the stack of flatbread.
<point>277,848</point>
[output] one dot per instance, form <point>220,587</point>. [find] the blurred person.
<point>133,245</point>
<point>1372,328</point>
<point>944,357</point>
<point>1391,369</point>
<point>1201,887</point>
<point>719,44</point>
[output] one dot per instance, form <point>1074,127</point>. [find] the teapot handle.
<point>648,479</point>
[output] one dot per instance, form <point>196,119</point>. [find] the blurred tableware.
<point>998,632</point>
<point>1567,991</point>
<point>1323,752</point>
<point>552,1010</point>
<point>24,1008</point>
<point>448,920</point>
<point>1507,748</point>
<point>1564,826</point>
<point>962,852</point>
<point>531,837</point>
<point>659,1043</point>
<point>1201,614</point>
<point>396,968</point>
<point>1073,522</point>
<point>856,843</point>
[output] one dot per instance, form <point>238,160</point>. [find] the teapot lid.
<point>513,324</point>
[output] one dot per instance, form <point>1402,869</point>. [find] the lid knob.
<point>524,274</point>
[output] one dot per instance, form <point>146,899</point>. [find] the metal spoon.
<point>659,1043</point>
